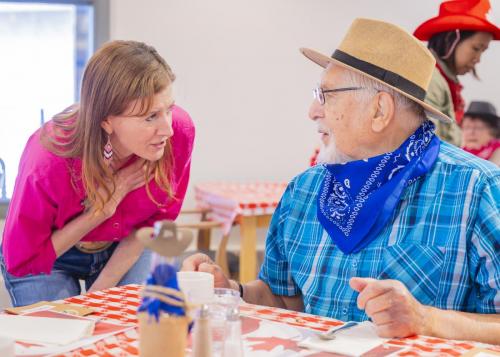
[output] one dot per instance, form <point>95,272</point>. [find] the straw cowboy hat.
<point>459,15</point>
<point>387,54</point>
<point>165,239</point>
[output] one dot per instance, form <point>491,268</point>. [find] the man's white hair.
<point>330,153</point>
<point>372,86</point>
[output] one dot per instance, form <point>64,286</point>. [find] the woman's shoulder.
<point>438,80</point>
<point>181,119</point>
<point>183,126</point>
<point>438,85</point>
<point>38,161</point>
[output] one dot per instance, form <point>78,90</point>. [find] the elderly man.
<point>395,225</point>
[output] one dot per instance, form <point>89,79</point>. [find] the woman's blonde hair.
<point>118,73</point>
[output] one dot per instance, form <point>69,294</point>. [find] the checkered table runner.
<point>120,304</point>
<point>228,200</point>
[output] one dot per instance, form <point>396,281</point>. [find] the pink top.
<point>44,200</point>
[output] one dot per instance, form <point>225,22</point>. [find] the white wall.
<point>241,77</point>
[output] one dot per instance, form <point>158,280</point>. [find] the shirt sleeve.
<point>275,270</point>
<point>27,244</point>
<point>182,149</point>
<point>484,253</point>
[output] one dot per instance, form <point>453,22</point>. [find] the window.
<point>45,46</point>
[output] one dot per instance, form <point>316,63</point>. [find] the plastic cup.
<point>227,298</point>
<point>224,301</point>
<point>197,286</point>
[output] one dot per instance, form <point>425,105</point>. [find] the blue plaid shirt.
<point>442,242</point>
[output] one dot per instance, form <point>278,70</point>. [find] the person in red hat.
<point>457,37</point>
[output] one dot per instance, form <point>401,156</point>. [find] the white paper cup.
<point>197,286</point>
<point>6,347</point>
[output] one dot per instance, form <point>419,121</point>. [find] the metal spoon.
<point>330,334</point>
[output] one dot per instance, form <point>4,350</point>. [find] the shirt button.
<point>354,264</point>
<point>344,311</point>
<point>116,225</point>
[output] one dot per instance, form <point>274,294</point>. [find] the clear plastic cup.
<point>227,298</point>
<point>224,301</point>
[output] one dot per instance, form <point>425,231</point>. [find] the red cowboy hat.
<point>461,15</point>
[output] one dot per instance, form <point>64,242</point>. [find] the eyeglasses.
<point>319,93</point>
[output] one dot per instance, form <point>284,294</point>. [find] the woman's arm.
<point>66,237</point>
<point>126,180</point>
<point>123,258</point>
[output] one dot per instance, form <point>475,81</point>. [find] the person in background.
<point>481,131</point>
<point>457,38</point>
<point>394,225</point>
<point>98,171</point>
<point>314,157</point>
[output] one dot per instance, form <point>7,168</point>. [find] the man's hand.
<point>255,292</point>
<point>202,262</point>
<point>392,308</point>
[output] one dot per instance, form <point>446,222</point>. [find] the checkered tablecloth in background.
<point>228,200</point>
<point>120,304</point>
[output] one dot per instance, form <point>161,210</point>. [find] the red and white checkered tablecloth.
<point>120,304</point>
<point>228,200</point>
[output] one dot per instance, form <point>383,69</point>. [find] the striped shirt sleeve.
<point>275,271</point>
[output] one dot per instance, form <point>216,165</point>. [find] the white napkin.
<point>353,341</point>
<point>45,329</point>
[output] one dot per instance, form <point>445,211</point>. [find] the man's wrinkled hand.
<point>203,263</point>
<point>392,308</point>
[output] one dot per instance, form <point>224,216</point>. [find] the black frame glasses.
<point>319,93</point>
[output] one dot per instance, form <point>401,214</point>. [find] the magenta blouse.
<point>44,200</point>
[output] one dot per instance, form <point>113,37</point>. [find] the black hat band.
<point>386,76</point>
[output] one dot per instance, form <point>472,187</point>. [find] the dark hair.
<point>441,43</point>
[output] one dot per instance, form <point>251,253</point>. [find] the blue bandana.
<point>358,198</point>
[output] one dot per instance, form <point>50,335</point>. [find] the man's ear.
<point>383,109</point>
<point>106,125</point>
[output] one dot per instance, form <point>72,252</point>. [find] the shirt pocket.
<point>417,266</point>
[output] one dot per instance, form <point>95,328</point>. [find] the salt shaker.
<point>233,344</point>
<point>202,334</point>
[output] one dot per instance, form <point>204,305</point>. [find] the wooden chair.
<point>204,228</point>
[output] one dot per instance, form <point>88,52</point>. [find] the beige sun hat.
<point>387,54</point>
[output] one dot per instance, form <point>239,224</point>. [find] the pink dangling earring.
<point>108,152</point>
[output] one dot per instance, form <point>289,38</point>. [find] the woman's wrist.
<point>96,217</point>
